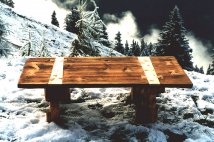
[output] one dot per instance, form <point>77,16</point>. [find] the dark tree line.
<point>172,42</point>
<point>199,69</point>
<point>134,49</point>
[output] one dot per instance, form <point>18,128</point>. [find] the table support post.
<point>54,112</point>
<point>144,99</point>
<point>54,95</point>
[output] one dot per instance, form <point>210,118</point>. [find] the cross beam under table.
<point>147,76</point>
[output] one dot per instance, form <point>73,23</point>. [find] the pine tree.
<point>54,20</point>
<point>104,37</point>
<point>201,70</point>
<point>126,50</point>
<point>135,49</point>
<point>132,48</point>
<point>196,68</point>
<point>145,48</point>
<point>130,53</point>
<point>149,49</point>
<point>71,21</point>
<point>8,2</point>
<point>210,70</point>
<point>75,49</point>
<point>212,66</point>
<point>118,43</point>
<point>142,46</point>
<point>89,29</point>
<point>173,41</point>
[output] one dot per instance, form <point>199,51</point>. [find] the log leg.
<point>54,112</point>
<point>54,95</point>
<point>145,104</point>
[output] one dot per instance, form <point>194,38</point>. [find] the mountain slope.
<point>57,41</point>
<point>18,28</point>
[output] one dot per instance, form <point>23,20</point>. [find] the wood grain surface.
<point>103,72</point>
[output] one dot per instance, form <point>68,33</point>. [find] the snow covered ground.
<point>103,114</point>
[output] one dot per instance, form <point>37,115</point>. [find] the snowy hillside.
<point>57,41</point>
<point>102,114</point>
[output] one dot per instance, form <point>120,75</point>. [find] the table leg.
<point>144,99</point>
<point>54,95</point>
<point>54,112</point>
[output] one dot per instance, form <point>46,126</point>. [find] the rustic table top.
<point>103,72</point>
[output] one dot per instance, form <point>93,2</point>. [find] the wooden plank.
<point>172,75</point>
<point>37,68</point>
<point>103,80</point>
<point>36,71</point>
<point>54,112</point>
<point>101,74</point>
<point>103,69</point>
<point>101,59</point>
<point>57,71</point>
<point>149,70</point>
<point>106,71</point>
<point>145,104</point>
<point>40,60</point>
